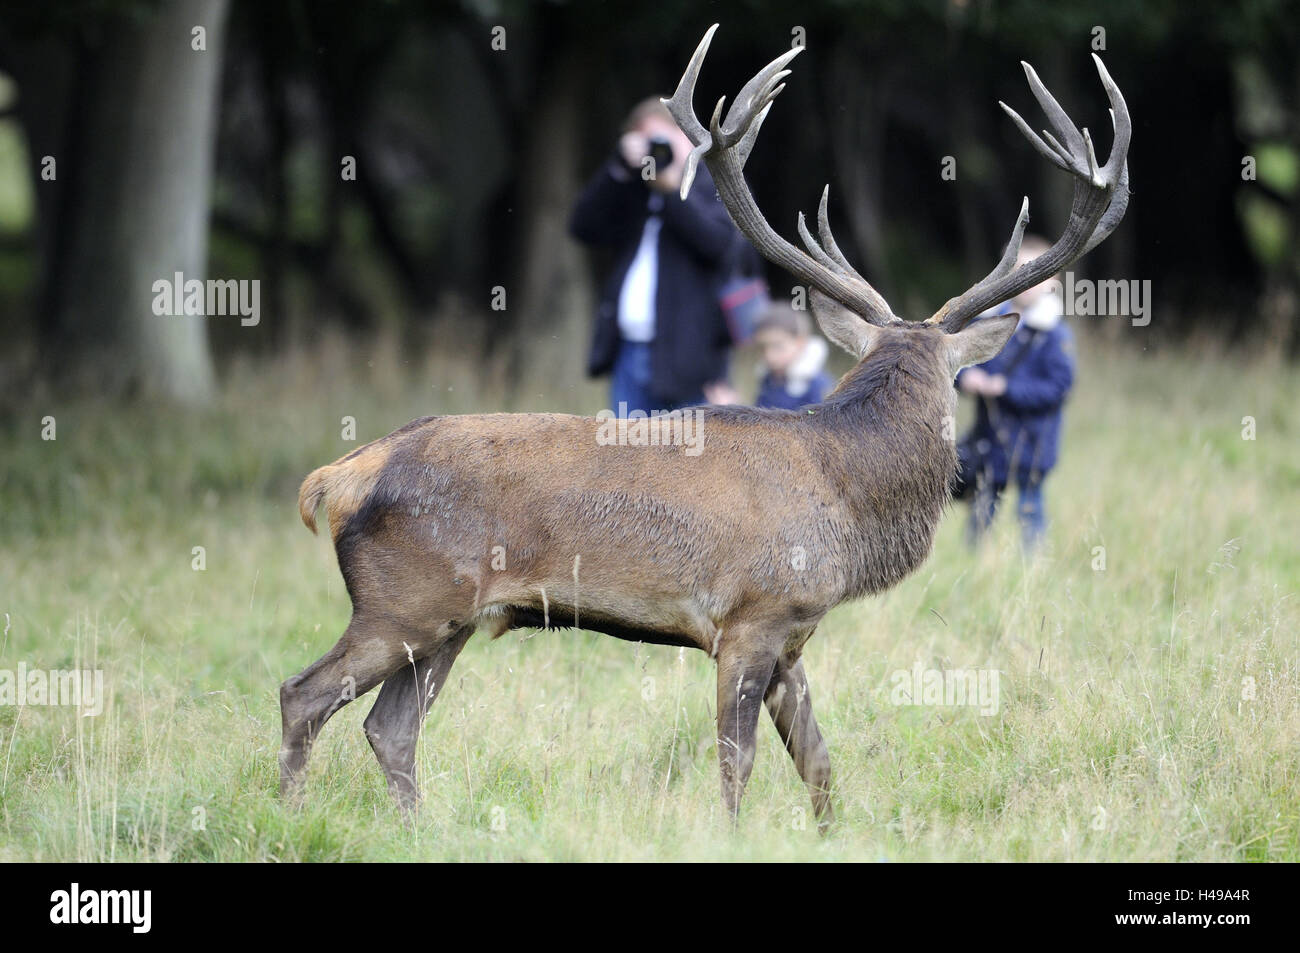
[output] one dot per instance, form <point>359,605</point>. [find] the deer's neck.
<point>887,450</point>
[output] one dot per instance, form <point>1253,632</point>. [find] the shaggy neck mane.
<point>892,385</point>
<point>891,463</point>
<point>886,419</point>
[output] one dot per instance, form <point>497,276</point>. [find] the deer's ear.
<point>981,340</point>
<point>841,325</point>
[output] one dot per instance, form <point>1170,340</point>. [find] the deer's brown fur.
<point>738,550</point>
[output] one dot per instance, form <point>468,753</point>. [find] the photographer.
<point>659,330</point>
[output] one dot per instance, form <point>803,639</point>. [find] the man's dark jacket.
<point>691,337</point>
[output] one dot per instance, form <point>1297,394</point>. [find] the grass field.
<point>1148,710</point>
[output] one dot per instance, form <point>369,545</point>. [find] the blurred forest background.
<point>226,162</point>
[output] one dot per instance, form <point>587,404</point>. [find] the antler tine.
<point>1120,121</point>
<point>1006,264</point>
<point>828,255</point>
<point>1123,128</point>
<point>828,239</point>
<point>725,145</point>
<point>682,103</point>
<point>747,141</point>
<point>1094,173</point>
<point>1059,149</point>
<point>1012,252</point>
<point>754,96</point>
<point>682,106</point>
<point>823,259</point>
<point>1046,151</point>
<point>1060,120</point>
<point>1101,195</point>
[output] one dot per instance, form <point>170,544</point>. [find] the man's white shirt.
<point>636,299</point>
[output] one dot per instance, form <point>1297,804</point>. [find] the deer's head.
<point>849,311</point>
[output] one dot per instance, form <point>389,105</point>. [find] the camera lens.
<point>661,151</point>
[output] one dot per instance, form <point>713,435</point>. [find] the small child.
<point>1021,393</point>
<point>794,360</point>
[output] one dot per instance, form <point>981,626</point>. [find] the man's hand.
<point>668,179</point>
<point>972,380</point>
<point>720,392</point>
<point>983,384</point>
<point>633,147</point>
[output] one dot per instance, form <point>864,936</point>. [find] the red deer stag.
<point>737,546</point>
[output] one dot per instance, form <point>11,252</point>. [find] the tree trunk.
<point>856,129</point>
<point>556,298</point>
<point>137,151</point>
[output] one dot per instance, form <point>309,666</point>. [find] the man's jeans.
<point>629,387</point>
<point>1033,520</point>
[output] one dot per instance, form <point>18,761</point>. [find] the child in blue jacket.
<point>794,360</point>
<point>1021,392</point>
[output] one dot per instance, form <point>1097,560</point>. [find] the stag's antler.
<point>726,144</point>
<point>1100,193</point>
<point>1100,200</point>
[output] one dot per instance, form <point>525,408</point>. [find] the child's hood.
<point>1045,313</point>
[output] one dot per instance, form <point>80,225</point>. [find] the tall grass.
<point>1148,710</point>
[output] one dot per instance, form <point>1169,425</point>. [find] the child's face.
<point>1027,298</point>
<point>780,348</point>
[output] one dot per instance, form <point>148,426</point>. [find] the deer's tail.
<point>312,493</point>
<point>344,485</point>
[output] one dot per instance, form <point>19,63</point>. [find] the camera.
<point>661,151</point>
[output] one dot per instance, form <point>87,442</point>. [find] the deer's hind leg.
<point>393,725</point>
<point>369,651</point>
<point>790,704</point>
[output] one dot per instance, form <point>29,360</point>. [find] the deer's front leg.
<point>745,669</point>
